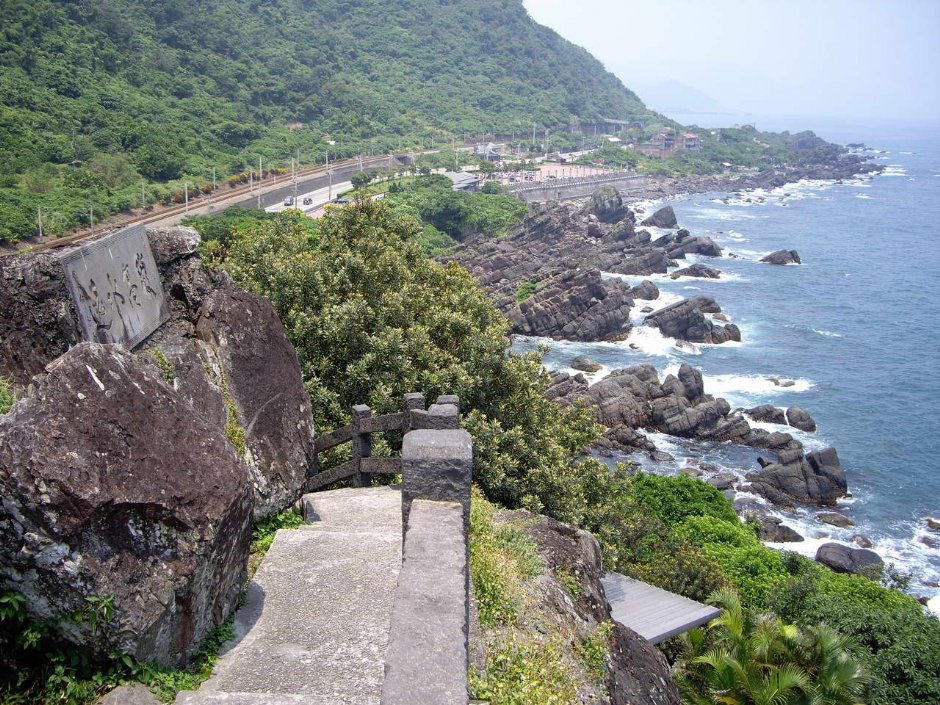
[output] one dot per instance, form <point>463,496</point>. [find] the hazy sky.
<point>878,58</point>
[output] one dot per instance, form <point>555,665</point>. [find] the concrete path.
<point>315,626</point>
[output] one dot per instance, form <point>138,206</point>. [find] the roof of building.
<point>651,612</point>
<point>462,179</point>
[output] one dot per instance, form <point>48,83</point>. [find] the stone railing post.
<point>361,444</point>
<point>428,651</point>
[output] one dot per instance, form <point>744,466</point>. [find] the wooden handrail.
<point>361,466</point>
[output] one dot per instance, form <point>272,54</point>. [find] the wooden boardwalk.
<point>651,612</point>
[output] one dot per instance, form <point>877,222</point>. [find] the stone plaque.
<point>116,287</point>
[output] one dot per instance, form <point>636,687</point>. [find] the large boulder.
<point>255,366</point>
<point>224,350</point>
<point>800,418</point>
<point>665,217</point>
<point>697,270</point>
<point>113,486</point>
<point>767,413</point>
<point>607,205</point>
<point>843,559</point>
<point>686,320</point>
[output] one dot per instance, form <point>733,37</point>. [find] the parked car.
<point>289,201</point>
<point>308,200</point>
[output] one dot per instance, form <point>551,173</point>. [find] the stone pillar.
<point>361,443</point>
<point>436,465</point>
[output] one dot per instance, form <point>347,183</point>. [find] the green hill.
<point>100,95</point>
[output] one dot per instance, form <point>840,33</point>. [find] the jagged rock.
<point>686,320</point>
<point>932,523</point>
<point>773,529</point>
<point>585,364</point>
<point>576,306</point>
<point>134,694</point>
<point>624,438</point>
<point>692,246</point>
<point>595,230</point>
<point>835,519</point>
<point>643,262</point>
<point>816,479</point>
<point>768,414</point>
<point>665,217</point>
<point>607,205</point>
<point>113,486</point>
<point>645,290</point>
<point>636,672</point>
<point>38,322</point>
<point>800,418</point>
<point>782,257</point>
<point>256,365</point>
<point>697,270</point>
<point>843,559</point>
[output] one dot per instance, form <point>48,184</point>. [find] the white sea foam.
<point>894,170</point>
<point>651,341</point>
<point>862,195</point>
<point>735,386</point>
<point>827,333</point>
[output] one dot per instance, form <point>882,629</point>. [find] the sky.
<point>859,58</point>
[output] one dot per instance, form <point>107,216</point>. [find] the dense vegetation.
<point>99,96</point>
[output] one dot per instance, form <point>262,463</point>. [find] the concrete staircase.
<point>315,626</point>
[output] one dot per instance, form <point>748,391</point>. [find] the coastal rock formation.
<point>697,270</point>
<point>607,205</point>
<point>645,290</point>
<point>224,350</point>
<point>686,320</point>
<point>768,414</point>
<point>782,257</point>
<point>113,487</point>
<point>665,217</point>
<point>835,519</point>
<point>576,306</point>
<point>817,478</point>
<point>843,559</point>
<point>636,673</point>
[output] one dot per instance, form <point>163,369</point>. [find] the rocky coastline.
<point>555,277</point>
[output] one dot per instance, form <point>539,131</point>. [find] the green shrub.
<point>672,499</point>
<point>7,397</point>
<point>526,290</point>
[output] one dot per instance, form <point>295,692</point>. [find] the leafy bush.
<point>525,292</point>
<point>672,499</point>
<point>7,396</point>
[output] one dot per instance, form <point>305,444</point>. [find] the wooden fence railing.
<point>362,466</point>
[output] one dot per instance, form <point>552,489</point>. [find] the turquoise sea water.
<point>854,328</point>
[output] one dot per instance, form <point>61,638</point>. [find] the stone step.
<point>315,625</point>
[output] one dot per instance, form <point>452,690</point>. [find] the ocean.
<point>851,335</point>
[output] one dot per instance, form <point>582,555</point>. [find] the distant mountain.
<point>677,97</point>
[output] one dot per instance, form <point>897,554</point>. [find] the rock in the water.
<point>862,541</point>
<point>932,523</point>
<point>665,217</point>
<point>800,418</point>
<point>782,257</point>
<point>767,413</point>
<point>114,486</point>
<point>686,320</point>
<point>817,478</point>
<point>722,481</point>
<point>835,519</point>
<point>697,270</point>
<point>773,529</point>
<point>607,205</point>
<point>645,290</point>
<point>843,559</point>
<point>585,364</point>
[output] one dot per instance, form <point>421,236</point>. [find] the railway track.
<point>161,213</point>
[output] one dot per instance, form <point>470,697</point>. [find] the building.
<point>462,180</point>
<point>489,151</point>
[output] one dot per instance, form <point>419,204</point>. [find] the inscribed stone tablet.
<point>116,287</point>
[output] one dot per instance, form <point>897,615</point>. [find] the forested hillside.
<point>98,95</point>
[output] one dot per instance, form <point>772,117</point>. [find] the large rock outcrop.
<point>636,673</point>
<point>113,487</point>
<point>782,257</point>
<point>816,478</point>
<point>224,350</point>
<point>576,306</point>
<point>687,320</point>
<point>665,217</point>
<point>844,559</point>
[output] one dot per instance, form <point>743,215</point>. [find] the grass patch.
<point>7,397</point>
<point>570,583</point>
<point>164,365</point>
<point>593,652</point>
<point>526,290</point>
<point>525,673</point>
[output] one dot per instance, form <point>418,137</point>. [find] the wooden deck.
<point>651,612</point>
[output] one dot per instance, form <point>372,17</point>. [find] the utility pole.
<point>40,222</point>
<point>186,196</point>
<point>91,218</point>
<point>293,168</point>
<point>143,197</point>
<point>251,181</point>
<point>329,195</point>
